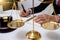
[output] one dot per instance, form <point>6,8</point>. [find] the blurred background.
<point>7,4</point>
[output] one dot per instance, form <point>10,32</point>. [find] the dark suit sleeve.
<point>40,8</point>
<point>56,8</point>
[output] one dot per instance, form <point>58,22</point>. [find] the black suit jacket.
<point>42,6</point>
<point>56,8</point>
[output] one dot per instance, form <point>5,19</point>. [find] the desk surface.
<point>20,33</point>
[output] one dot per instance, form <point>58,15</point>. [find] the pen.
<point>30,18</point>
<point>23,8</point>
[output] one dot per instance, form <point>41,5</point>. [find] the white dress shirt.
<point>28,4</point>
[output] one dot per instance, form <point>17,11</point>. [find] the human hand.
<point>42,18</point>
<point>24,14</point>
<point>54,18</point>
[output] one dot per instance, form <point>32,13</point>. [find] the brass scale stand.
<point>32,35</point>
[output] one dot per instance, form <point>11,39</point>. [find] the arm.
<point>40,8</point>
<point>56,8</point>
<point>37,9</point>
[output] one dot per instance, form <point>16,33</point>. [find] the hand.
<point>54,18</point>
<point>23,14</point>
<point>42,18</point>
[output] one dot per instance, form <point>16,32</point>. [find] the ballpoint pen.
<point>23,8</point>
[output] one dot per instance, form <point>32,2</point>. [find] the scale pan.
<point>16,24</point>
<point>50,25</point>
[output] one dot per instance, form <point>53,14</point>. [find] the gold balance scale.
<point>33,35</point>
<point>19,23</point>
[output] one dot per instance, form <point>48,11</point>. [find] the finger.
<point>27,11</point>
<point>43,16</point>
<point>22,13</point>
<point>40,22</point>
<point>37,20</point>
<point>37,17</point>
<point>56,18</point>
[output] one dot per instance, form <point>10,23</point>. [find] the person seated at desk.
<point>44,17</point>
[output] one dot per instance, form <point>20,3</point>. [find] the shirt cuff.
<point>58,14</point>
<point>30,11</point>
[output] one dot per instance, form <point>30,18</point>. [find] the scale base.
<point>6,30</point>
